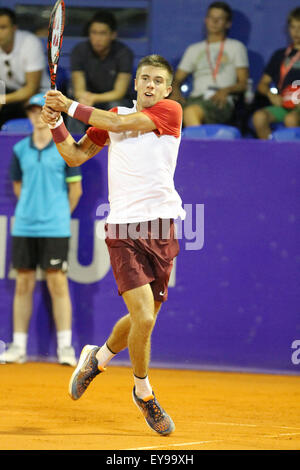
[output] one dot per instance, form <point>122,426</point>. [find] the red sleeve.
<point>167,116</point>
<point>99,136</point>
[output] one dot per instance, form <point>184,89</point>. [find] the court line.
<point>288,427</point>
<point>253,425</point>
<point>285,434</point>
<point>233,424</point>
<point>176,445</point>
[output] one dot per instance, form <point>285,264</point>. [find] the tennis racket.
<point>55,38</point>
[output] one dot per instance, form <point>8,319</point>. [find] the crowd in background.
<point>102,74</point>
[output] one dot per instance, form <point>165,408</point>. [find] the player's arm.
<point>31,87</point>
<point>97,117</point>
<point>74,153</point>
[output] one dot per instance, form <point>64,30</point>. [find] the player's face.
<point>216,21</point>
<point>151,85</point>
<point>7,31</point>
<point>101,36</point>
<point>294,30</point>
<point>34,113</point>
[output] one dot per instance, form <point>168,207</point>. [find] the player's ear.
<point>168,91</point>
<point>135,89</point>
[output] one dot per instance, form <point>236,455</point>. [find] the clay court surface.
<point>211,410</point>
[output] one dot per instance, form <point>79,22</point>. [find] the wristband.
<point>72,108</point>
<point>58,123</point>
<point>60,133</point>
<point>80,111</point>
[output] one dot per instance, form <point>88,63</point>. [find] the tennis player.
<point>143,147</point>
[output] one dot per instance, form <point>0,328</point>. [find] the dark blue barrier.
<point>234,296</point>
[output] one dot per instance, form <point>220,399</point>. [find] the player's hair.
<point>10,13</point>
<point>156,60</point>
<point>293,15</point>
<point>222,6</point>
<point>103,16</point>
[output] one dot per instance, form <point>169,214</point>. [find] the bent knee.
<point>144,320</point>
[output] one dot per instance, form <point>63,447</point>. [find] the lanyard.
<point>284,69</point>
<point>214,71</point>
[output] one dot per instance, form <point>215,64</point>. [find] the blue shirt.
<point>43,209</point>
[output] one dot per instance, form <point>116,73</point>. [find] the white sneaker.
<point>13,354</point>
<point>66,356</point>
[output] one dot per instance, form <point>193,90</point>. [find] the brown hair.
<point>222,6</point>
<point>156,60</point>
<point>294,15</point>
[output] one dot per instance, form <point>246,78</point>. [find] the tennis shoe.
<point>87,369</point>
<point>13,354</point>
<point>66,356</point>
<point>155,416</point>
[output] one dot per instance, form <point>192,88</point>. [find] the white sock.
<point>104,355</point>
<point>20,340</point>
<point>143,388</point>
<point>64,338</point>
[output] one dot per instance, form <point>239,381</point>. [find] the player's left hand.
<point>57,101</point>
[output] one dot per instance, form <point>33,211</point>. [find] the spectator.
<point>22,67</point>
<point>47,191</point>
<point>283,69</point>
<point>219,66</point>
<point>102,66</point>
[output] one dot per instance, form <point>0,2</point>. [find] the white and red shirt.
<point>141,167</point>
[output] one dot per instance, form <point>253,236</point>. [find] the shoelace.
<point>154,410</point>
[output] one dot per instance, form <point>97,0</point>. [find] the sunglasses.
<point>9,70</point>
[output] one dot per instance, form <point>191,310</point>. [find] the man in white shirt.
<point>22,67</point>
<point>219,66</point>
<point>143,147</point>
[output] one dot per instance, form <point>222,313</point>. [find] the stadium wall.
<point>234,292</point>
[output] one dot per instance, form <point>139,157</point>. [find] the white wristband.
<point>57,124</point>
<point>72,108</point>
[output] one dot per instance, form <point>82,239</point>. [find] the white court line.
<point>176,445</point>
<point>285,434</point>
<point>253,425</point>
<point>288,427</point>
<point>234,424</point>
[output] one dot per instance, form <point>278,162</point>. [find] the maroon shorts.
<point>142,254</point>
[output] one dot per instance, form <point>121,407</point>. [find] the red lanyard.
<point>284,69</point>
<point>214,71</point>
